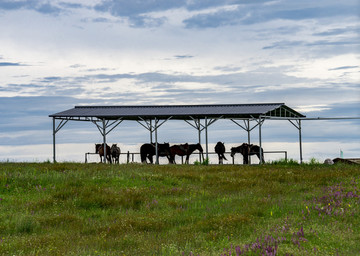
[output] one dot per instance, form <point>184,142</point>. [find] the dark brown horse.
<point>247,150</point>
<point>148,150</point>
<point>220,150</point>
<point>184,150</point>
<point>99,149</point>
<point>115,153</point>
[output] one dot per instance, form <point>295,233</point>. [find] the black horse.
<point>184,150</point>
<point>247,150</point>
<point>115,153</point>
<point>148,150</point>
<point>99,149</point>
<point>220,150</point>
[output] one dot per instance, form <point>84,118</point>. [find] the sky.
<point>58,54</point>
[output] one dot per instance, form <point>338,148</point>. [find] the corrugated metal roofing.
<point>178,111</point>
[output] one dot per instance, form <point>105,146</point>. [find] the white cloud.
<point>311,108</point>
<point>325,68</point>
<point>303,53</point>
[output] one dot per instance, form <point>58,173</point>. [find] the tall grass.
<point>97,209</point>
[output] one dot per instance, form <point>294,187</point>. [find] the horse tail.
<point>223,156</point>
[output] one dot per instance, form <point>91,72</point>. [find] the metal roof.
<point>182,112</point>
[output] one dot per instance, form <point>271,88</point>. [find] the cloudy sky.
<point>61,53</point>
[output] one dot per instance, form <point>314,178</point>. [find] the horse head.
<point>97,147</point>
<point>165,147</point>
<point>199,147</point>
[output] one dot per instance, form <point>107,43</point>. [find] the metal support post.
<point>199,132</point>
<point>104,138</point>
<point>248,132</point>
<point>151,132</point>
<point>298,126</point>
<point>206,138</point>
<point>260,142</point>
<point>300,141</point>
<point>55,130</point>
<point>156,142</point>
<point>54,133</point>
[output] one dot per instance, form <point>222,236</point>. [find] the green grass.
<point>97,209</point>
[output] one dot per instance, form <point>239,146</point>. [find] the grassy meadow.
<point>135,209</point>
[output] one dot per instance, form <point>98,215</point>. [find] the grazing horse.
<point>115,153</point>
<point>99,149</point>
<point>148,150</point>
<point>184,150</point>
<point>247,150</point>
<point>220,150</point>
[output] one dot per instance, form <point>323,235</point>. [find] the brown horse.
<point>99,149</point>
<point>247,150</point>
<point>220,150</point>
<point>115,153</point>
<point>184,150</point>
<point>148,150</point>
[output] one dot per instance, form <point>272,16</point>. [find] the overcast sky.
<point>58,54</point>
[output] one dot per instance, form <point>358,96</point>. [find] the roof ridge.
<point>183,105</point>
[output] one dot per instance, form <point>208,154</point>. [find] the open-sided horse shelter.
<point>200,117</point>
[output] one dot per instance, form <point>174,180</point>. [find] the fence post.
<point>127,157</point>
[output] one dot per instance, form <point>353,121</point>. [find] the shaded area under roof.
<point>180,112</point>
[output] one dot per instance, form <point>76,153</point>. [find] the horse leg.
<point>171,159</point>
<point>258,156</point>
<point>245,159</point>
<point>187,159</point>
<point>150,157</point>
<point>262,157</point>
<point>143,156</point>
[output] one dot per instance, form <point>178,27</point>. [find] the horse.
<point>99,149</point>
<point>184,150</point>
<point>148,150</point>
<point>115,153</point>
<point>247,150</point>
<point>220,150</point>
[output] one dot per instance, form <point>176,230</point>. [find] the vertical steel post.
<point>54,132</point>
<point>151,132</point>
<point>248,131</point>
<point>206,138</point>
<point>199,132</point>
<point>260,123</point>
<point>104,139</point>
<point>156,142</point>
<point>300,141</point>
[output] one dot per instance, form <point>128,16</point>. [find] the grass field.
<point>134,209</point>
